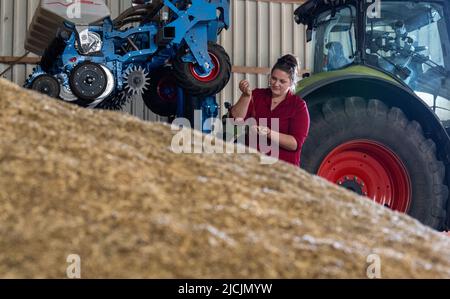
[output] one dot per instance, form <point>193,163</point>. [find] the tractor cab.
<point>409,40</point>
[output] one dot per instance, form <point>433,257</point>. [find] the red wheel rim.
<point>370,169</point>
<point>167,89</point>
<point>195,71</point>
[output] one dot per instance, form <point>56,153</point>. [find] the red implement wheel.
<point>212,75</point>
<point>166,88</point>
<point>161,98</point>
<point>196,83</point>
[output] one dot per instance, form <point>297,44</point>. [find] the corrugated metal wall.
<point>14,19</point>
<point>261,31</point>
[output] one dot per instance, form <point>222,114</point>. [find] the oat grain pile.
<point>107,187</point>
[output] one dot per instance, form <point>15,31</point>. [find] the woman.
<point>277,102</point>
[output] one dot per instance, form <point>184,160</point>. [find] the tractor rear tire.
<point>353,140</point>
<point>195,84</point>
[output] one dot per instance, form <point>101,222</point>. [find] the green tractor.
<point>379,100</point>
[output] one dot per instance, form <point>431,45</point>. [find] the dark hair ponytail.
<point>288,64</point>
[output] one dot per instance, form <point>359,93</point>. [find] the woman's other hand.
<point>261,130</point>
<point>264,131</point>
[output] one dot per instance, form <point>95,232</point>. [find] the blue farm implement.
<point>155,49</point>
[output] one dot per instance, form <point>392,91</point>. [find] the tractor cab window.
<point>334,39</point>
<point>409,39</point>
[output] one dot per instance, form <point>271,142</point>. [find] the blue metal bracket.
<point>210,110</point>
<point>196,39</point>
<point>208,107</point>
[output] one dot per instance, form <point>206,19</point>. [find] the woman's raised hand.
<point>244,86</point>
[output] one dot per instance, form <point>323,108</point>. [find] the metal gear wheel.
<point>136,80</point>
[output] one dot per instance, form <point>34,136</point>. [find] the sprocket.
<point>136,80</point>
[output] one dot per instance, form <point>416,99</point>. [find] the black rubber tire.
<point>152,98</point>
<point>338,121</point>
<point>101,76</point>
<point>195,87</point>
<point>47,85</point>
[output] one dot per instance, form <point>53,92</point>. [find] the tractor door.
<point>334,39</point>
